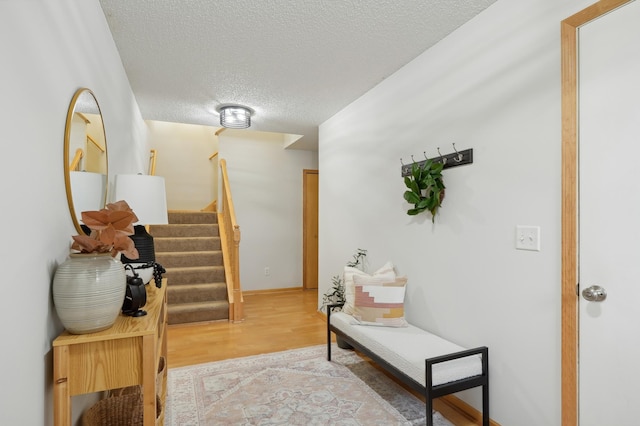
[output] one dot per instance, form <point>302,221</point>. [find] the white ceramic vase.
<point>88,291</point>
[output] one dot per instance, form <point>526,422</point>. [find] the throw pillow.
<point>386,272</point>
<point>380,301</point>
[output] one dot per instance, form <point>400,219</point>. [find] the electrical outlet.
<point>528,237</point>
<point>267,271</point>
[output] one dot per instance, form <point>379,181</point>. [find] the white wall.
<point>183,152</point>
<point>49,49</point>
<point>494,86</point>
<point>266,183</point>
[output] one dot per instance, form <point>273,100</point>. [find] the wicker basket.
<point>123,408</point>
<point>135,389</point>
<point>162,367</point>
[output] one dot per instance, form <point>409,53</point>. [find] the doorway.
<point>575,233</point>
<point>310,229</point>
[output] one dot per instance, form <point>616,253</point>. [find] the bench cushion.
<point>406,348</point>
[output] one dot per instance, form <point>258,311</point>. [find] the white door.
<point>609,218</point>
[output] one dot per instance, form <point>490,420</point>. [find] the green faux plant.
<point>335,294</point>
<point>359,258</point>
<point>425,188</point>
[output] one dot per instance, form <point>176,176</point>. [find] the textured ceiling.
<point>294,62</point>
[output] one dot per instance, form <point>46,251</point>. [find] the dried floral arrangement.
<point>110,230</point>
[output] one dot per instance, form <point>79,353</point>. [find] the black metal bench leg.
<point>328,333</point>
<point>429,411</point>
<point>485,388</point>
<point>485,405</point>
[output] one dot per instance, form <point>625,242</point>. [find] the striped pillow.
<point>379,301</point>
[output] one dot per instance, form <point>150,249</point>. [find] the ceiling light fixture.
<point>235,116</point>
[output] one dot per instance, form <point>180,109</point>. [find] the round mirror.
<point>85,156</point>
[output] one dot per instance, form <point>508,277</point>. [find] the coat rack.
<point>454,159</point>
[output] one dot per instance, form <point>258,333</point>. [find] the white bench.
<point>423,361</point>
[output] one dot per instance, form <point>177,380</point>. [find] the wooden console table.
<point>126,354</point>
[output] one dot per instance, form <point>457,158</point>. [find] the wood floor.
<point>274,321</point>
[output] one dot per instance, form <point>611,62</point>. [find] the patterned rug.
<point>295,387</point>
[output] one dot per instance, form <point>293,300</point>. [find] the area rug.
<point>295,387</point>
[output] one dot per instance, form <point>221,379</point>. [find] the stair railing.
<point>97,145</point>
<point>152,161</point>
<point>76,159</point>
<point>230,239</point>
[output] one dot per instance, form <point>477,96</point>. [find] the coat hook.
<point>458,158</point>
<point>401,161</point>
<point>412,158</point>
<point>425,155</point>
<point>444,160</point>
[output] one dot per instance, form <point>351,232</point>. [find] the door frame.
<point>305,232</point>
<point>570,297</point>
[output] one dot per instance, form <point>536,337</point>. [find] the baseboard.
<point>211,207</point>
<point>464,409</point>
<point>270,290</point>
<point>199,323</point>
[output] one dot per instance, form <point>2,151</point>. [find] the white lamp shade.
<point>89,190</point>
<point>145,195</point>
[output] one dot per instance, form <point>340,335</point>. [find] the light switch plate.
<point>528,237</point>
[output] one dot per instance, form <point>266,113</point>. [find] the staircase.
<point>189,249</point>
